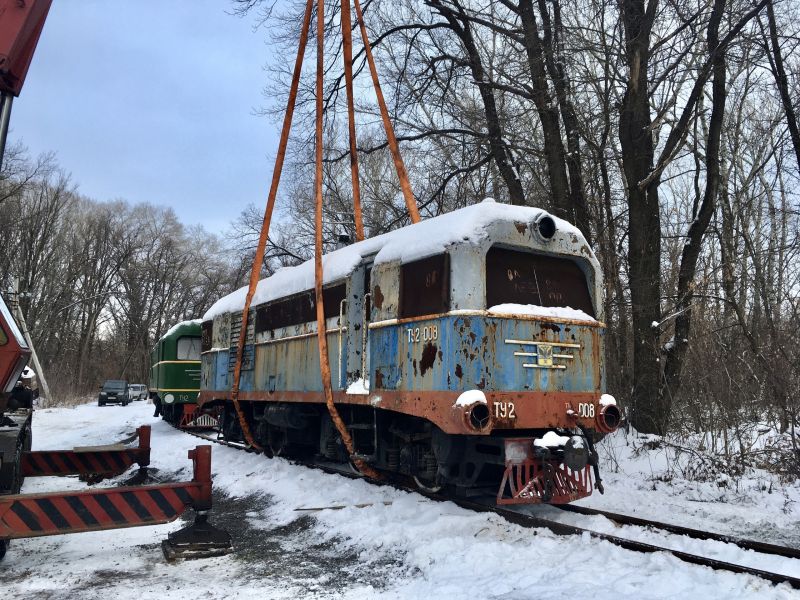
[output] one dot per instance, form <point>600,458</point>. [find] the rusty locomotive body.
<point>466,351</point>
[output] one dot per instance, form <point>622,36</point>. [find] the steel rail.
<point>761,547</point>
<point>558,528</point>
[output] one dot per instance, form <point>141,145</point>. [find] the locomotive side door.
<point>357,333</point>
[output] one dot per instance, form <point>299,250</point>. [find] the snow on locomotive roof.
<point>431,236</point>
<point>558,312</point>
<point>175,327</point>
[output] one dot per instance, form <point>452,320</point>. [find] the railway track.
<point>698,534</point>
<point>559,528</point>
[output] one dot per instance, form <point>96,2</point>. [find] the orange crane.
<point>56,513</point>
<point>21,23</point>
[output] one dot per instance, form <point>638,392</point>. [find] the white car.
<point>137,391</point>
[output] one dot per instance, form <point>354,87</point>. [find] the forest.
<point>666,131</point>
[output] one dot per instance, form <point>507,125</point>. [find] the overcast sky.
<point>152,101</point>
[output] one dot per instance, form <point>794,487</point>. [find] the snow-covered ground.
<point>397,546</point>
<point>649,483</point>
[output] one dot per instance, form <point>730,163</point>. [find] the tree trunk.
<point>497,146</point>
<point>553,30</point>
<point>780,78</point>
<point>676,354</point>
<point>644,247</point>
<point>548,114</point>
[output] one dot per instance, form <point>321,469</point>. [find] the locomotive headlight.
<point>576,454</point>
<point>609,418</point>
<point>169,398</point>
<point>546,227</point>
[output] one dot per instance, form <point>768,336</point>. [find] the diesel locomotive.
<point>466,352</point>
<point>175,375</point>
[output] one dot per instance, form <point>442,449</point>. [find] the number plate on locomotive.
<point>423,334</point>
<point>505,410</point>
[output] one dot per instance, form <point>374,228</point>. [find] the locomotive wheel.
<point>231,430</point>
<point>431,487</point>
<point>277,441</point>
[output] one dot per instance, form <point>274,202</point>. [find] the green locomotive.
<point>175,373</point>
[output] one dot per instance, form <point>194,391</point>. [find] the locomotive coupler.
<point>594,459</point>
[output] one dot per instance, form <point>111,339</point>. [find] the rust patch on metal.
<point>378,378</point>
<point>428,357</point>
<point>459,371</point>
<point>377,297</point>
<point>535,409</point>
<point>552,327</point>
<point>414,362</point>
<point>521,227</point>
<point>481,384</point>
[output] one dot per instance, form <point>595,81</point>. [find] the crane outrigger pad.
<point>198,540</point>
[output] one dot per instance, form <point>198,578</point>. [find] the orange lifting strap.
<point>402,175</point>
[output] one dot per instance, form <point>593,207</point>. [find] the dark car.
<point>114,391</point>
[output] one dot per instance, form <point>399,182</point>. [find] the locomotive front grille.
<point>548,355</point>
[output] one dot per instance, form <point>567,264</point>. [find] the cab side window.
<point>425,287</point>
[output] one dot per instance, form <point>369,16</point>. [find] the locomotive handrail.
<point>364,334</point>
<point>286,339</point>
<point>342,327</point>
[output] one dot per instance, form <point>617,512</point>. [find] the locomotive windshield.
<point>515,277</point>
<point>188,348</point>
